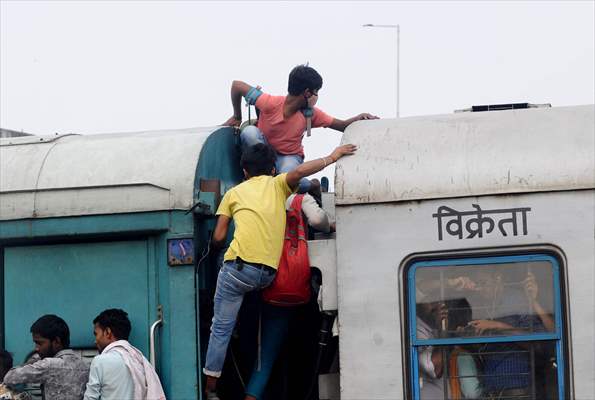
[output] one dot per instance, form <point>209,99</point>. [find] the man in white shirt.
<point>120,371</point>
<point>316,217</point>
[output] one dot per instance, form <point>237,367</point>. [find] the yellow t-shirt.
<point>257,207</point>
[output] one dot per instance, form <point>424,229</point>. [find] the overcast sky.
<point>113,66</point>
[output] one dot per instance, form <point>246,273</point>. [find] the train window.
<point>486,328</point>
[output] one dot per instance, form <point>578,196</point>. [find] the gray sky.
<point>110,66</point>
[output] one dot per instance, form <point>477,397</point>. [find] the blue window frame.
<point>523,335</point>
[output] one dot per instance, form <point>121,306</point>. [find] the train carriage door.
<point>76,282</point>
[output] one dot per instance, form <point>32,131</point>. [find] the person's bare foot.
<point>211,388</point>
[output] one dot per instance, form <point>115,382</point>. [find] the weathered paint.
<point>370,282</point>
<point>172,287</point>
<point>99,174</point>
<point>468,154</point>
<point>323,255</point>
<point>76,281</point>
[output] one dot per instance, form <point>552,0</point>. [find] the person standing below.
<point>283,120</point>
<point>61,372</point>
<point>257,207</point>
<point>120,371</point>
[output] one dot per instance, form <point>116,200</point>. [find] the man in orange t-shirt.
<point>282,120</point>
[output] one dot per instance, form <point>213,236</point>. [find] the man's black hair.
<point>5,363</point>
<point>301,78</point>
<point>258,159</point>
<point>459,313</point>
<point>52,327</point>
<point>117,320</point>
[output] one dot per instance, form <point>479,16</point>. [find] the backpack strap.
<point>296,225</point>
<point>308,114</point>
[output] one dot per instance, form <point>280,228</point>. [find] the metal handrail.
<point>152,358</point>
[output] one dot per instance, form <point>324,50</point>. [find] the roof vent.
<point>500,107</point>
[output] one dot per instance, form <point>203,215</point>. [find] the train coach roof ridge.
<point>468,154</point>
<point>70,175</point>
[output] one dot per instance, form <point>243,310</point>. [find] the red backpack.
<point>292,283</point>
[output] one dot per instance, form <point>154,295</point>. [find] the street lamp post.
<point>398,29</point>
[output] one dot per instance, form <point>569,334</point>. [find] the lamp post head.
<point>379,26</point>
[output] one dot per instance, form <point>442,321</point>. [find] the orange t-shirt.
<point>285,135</point>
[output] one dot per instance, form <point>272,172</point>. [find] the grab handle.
<point>152,358</point>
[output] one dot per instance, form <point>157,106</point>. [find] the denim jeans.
<point>251,135</point>
<point>274,330</point>
<point>231,287</point>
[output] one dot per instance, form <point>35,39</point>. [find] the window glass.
<point>504,299</point>
<point>520,370</point>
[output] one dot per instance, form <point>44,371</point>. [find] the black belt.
<point>240,265</point>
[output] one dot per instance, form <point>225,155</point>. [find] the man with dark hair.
<point>512,308</point>
<point>120,371</point>
<point>62,373</point>
<point>284,119</point>
<point>257,207</point>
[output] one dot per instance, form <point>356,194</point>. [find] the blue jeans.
<point>274,327</point>
<point>231,287</point>
<point>251,135</point>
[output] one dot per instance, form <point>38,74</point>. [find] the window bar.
<point>532,351</point>
<point>443,333</point>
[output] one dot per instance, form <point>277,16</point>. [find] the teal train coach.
<point>90,222</point>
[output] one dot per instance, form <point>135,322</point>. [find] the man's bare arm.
<point>341,125</point>
<point>238,89</point>
<point>531,290</point>
<point>311,167</point>
<point>220,233</point>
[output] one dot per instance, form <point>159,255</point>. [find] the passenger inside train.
<point>488,302</point>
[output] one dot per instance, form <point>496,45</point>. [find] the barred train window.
<point>486,328</point>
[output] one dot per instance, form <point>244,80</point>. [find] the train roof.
<point>70,175</point>
<point>468,154</point>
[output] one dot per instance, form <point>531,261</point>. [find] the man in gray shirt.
<point>62,374</point>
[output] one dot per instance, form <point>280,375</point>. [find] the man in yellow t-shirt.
<point>257,207</point>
